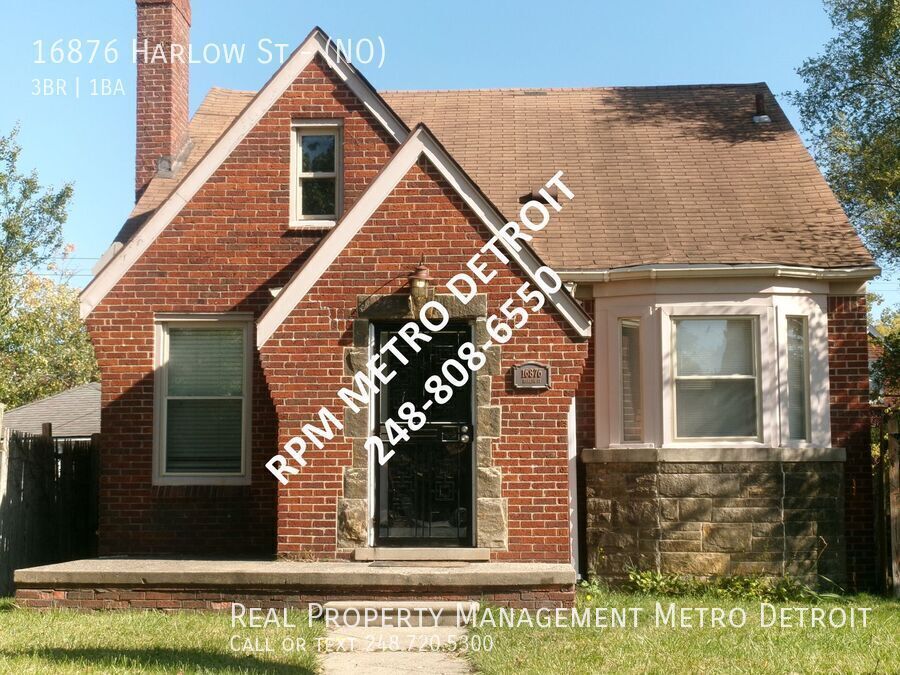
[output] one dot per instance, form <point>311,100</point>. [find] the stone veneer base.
<point>715,518</point>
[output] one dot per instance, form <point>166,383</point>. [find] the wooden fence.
<point>48,502</point>
<point>887,498</point>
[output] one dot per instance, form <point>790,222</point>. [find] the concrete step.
<point>413,613</point>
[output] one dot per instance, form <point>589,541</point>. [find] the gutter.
<point>676,271</point>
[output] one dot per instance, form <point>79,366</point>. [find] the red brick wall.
<point>422,216</point>
<point>849,376</point>
<point>162,86</point>
<point>222,253</point>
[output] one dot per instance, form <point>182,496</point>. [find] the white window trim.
<point>766,364</point>
<point>161,323</point>
<point>817,376</point>
<point>322,127</point>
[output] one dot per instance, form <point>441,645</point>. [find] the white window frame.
<point>818,426</point>
<point>300,128</point>
<point>765,355</point>
<point>620,323</point>
<point>162,323</point>
<point>608,353</point>
<point>786,377</point>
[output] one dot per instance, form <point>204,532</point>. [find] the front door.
<point>424,492</point>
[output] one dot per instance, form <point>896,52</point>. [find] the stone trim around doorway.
<point>491,513</point>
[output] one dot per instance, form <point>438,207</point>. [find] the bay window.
<point>715,367</point>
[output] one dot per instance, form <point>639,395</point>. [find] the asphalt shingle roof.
<point>677,174</point>
<point>73,413</point>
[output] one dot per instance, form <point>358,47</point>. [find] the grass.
<point>664,649</point>
<point>62,641</point>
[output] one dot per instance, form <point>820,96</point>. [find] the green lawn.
<point>145,642</point>
<point>662,649</point>
<point>199,642</point>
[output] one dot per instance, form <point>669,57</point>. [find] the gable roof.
<point>149,224</point>
<point>677,175</point>
<point>420,143</point>
<point>74,412</point>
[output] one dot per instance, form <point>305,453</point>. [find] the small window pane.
<point>318,153</point>
<point>632,418</point>
<point>318,196</point>
<point>714,346</point>
<point>203,436</point>
<point>797,351</point>
<point>206,362</point>
<point>716,408</point>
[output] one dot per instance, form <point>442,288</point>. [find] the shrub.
<point>733,587</point>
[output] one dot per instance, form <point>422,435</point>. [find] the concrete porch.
<point>171,584</point>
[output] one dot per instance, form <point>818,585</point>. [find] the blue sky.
<point>90,140</point>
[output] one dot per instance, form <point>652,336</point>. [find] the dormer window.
<point>317,190</point>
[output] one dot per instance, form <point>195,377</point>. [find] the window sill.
<point>311,224</point>
<point>712,454</point>
<point>201,480</point>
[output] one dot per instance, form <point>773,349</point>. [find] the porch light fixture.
<point>418,282</point>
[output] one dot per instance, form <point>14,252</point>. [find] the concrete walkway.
<point>393,651</point>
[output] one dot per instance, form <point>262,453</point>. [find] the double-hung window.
<point>317,174</point>
<point>203,401</point>
<point>716,372</point>
<point>630,380</point>
<point>797,378</point>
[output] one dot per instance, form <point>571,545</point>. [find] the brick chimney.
<point>162,88</point>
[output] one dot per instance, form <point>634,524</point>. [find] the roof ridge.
<point>716,85</point>
<point>464,90</point>
<point>231,91</point>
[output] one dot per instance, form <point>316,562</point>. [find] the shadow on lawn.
<point>175,660</point>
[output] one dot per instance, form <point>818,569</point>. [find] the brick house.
<point>698,383</point>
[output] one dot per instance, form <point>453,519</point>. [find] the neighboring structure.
<point>74,414</point>
<point>715,417</point>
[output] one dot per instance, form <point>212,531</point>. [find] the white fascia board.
<point>316,43</point>
<point>419,143</point>
<point>712,270</point>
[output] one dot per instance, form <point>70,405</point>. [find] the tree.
<point>851,111</point>
<point>44,347</point>
<point>31,220</point>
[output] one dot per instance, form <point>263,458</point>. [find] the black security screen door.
<point>424,492</point>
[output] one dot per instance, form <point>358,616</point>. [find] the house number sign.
<point>531,376</point>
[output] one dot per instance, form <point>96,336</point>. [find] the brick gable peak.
<point>122,257</point>
<point>420,143</point>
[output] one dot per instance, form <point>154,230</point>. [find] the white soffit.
<point>420,142</point>
<point>316,43</point>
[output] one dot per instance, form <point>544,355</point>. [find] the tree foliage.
<point>44,347</point>
<point>851,110</point>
